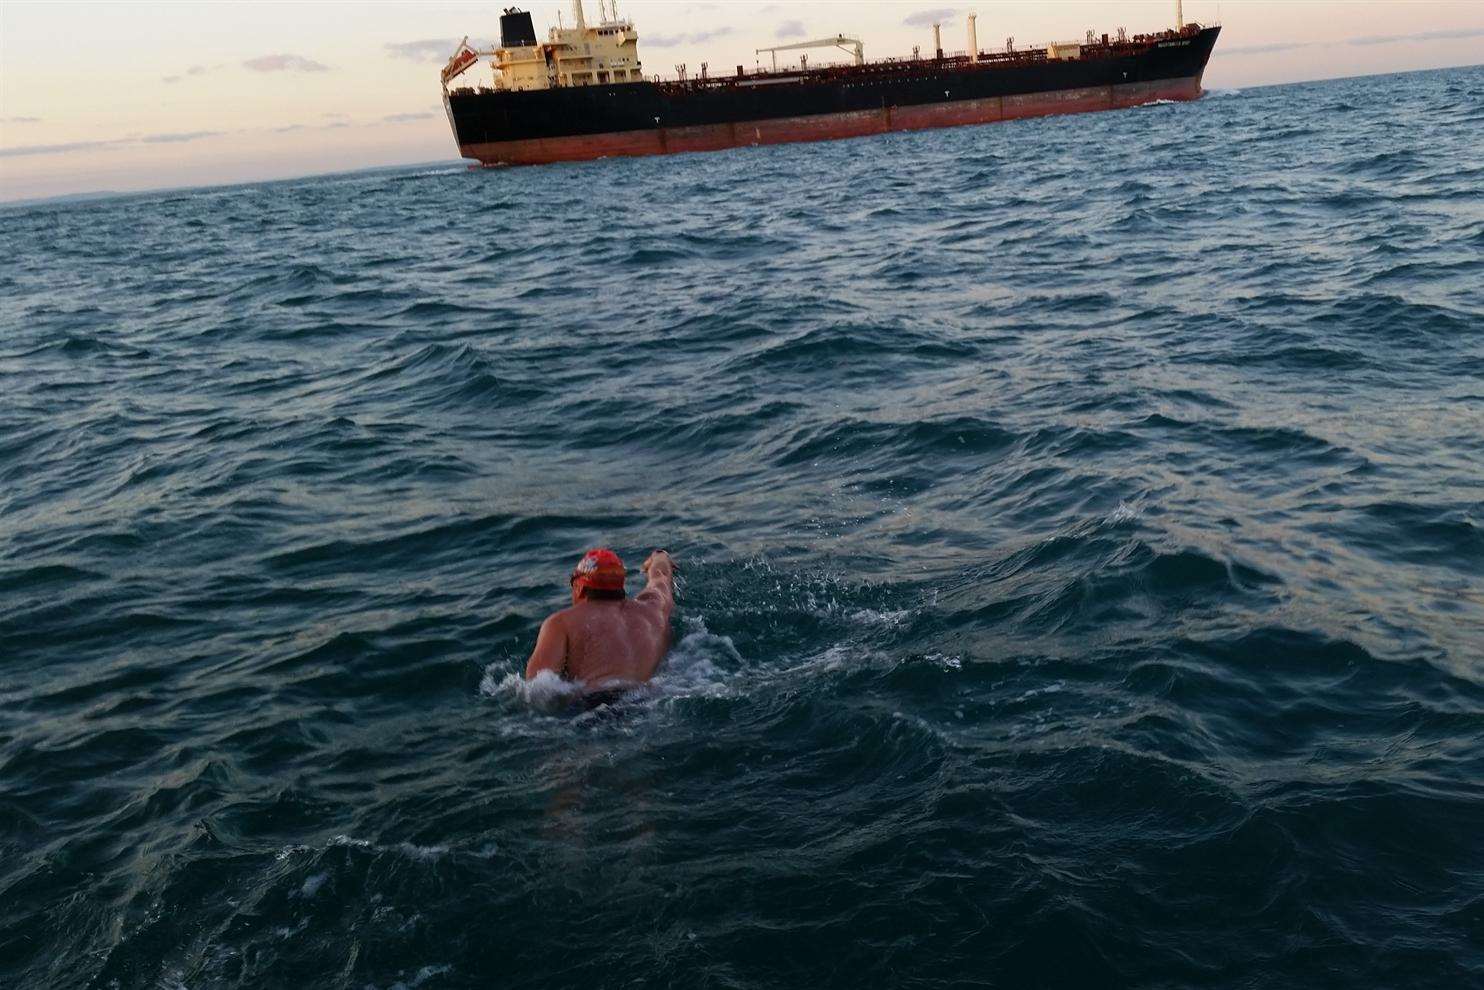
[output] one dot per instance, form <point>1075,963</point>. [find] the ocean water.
<point>1082,532</point>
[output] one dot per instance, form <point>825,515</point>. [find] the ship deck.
<point>1103,47</point>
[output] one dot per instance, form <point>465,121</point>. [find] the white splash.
<point>284,931</point>
<point>874,617</point>
<point>1048,689</point>
<point>691,668</point>
<point>408,849</point>
<point>423,853</point>
<point>946,661</point>
<point>836,657</point>
<point>420,977</point>
<point>839,656</point>
<point>545,692</point>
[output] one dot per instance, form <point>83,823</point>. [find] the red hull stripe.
<point>825,127</point>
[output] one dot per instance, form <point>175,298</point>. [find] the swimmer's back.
<point>615,641</point>
<point>606,637</point>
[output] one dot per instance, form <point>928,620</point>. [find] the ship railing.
<point>988,58</point>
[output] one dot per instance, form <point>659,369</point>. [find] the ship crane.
<point>838,41</point>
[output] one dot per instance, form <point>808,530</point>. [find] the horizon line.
<point>60,199</point>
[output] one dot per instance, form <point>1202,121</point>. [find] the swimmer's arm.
<point>551,649</point>
<point>660,590</point>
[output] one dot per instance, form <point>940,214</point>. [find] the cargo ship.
<point>583,93</point>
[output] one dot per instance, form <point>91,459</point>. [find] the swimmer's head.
<point>599,575</point>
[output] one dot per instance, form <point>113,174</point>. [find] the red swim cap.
<point>600,570</point>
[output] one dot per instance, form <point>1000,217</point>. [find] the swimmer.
<point>607,640</point>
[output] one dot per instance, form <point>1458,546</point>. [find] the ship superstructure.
<point>582,93</point>
<point>582,55</point>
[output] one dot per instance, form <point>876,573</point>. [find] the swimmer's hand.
<point>659,571</point>
<point>659,559</point>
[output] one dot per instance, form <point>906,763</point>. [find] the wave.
<point>1385,164</point>
<point>288,286</point>
<point>436,172</point>
<point>861,343</point>
<point>447,376</point>
<point>83,348</point>
<point>851,440</point>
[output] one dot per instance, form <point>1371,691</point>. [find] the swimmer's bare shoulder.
<point>550,653</point>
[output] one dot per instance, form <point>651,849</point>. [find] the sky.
<point>127,96</point>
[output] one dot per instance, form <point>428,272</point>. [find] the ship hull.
<point>579,124</point>
<point>823,127</point>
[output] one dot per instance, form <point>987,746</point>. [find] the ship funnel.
<point>578,14</point>
<point>938,39</point>
<point>516,29</point>
<point>1179,15</point>
<point>973,38</point>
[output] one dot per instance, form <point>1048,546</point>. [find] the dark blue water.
<point>1082,524</point>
